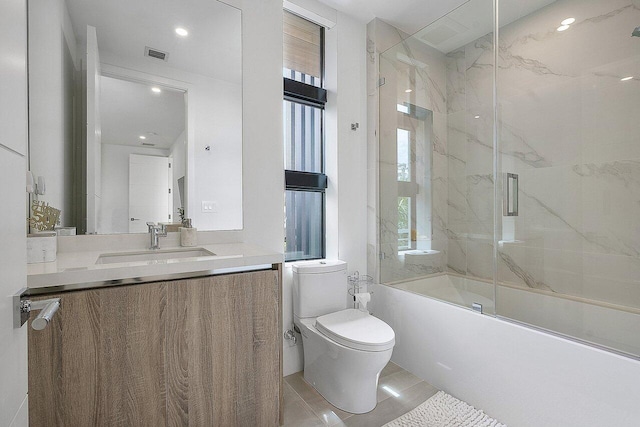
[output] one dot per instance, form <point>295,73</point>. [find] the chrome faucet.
<point>156,231</point>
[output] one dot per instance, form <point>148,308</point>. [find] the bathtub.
<point>521,375</point>
<point>610,327</point>
<point>453,289</point>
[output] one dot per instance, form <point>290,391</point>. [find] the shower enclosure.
<point>508,163</point>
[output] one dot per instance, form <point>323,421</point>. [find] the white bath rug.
<point>443,410</point>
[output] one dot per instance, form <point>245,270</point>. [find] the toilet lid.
<point>356,329</point>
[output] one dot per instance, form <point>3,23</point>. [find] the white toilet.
<point>344,348</point>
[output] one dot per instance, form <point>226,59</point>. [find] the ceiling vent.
<point>444,30</point>
<point>148,144</point>
<point>155,53</point>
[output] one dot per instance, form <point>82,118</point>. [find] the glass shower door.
<point>569,102</point>
<point>436,186</point>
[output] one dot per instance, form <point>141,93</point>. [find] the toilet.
<point>345,349</point>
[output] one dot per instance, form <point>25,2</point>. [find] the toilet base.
<point>347,378</point>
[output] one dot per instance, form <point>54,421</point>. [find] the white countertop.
<point>76,267</point>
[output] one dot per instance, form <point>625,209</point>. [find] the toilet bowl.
<point>343,367</point>
<point>344,349</point>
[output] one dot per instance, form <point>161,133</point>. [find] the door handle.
<point>510,199</point>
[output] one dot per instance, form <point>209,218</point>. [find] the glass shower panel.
<point>406,144</point>
<point>569,108</point>
<point>436,157</point>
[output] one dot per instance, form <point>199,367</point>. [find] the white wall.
<point>518,375</point>
<point>346,168</point>
<point>53,66</point>
<point>13,251</point>
<point>114,213</point>
<point>217,178</point>
<point>263,158</point>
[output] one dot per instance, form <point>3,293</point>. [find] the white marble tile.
<point>456,69</point>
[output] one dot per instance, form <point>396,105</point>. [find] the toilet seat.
<point>356,329</point>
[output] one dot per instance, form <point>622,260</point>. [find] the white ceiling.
<point>462,24</point>
<point>213,46</point>
<point>130,109</point>
<point>473,20</point>
<point>407,15</point>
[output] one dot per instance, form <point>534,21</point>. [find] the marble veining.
<point>628,172</point>
<point>521,273</point>
<point>529,155</point>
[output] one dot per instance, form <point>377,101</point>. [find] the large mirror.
<point>135,113</point>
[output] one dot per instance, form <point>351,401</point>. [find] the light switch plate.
<point>209,207</point>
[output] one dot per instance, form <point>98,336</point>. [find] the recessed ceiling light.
<point>624,79</point>
<point>476,117</point>
<point>563,27</point>
<point>182,32</point>
<point>156,89</point>
<point>142,137</point>
<point>568,21</point>
<point>408,91</point>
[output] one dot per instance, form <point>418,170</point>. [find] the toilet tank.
<point>319,287</point>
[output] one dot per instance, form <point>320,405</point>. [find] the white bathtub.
<point>453,289</point>
<point>522,376</point>
<point>600,324</point>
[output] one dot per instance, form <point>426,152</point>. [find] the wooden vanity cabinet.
<point>197,352</point>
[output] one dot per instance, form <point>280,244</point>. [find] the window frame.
<point>301,181</point>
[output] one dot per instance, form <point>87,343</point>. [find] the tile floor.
<point>398,392</point>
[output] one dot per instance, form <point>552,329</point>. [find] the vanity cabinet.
<point>198,352</point>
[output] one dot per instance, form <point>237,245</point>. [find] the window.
<point>303,115</point>
<point>413,147</point>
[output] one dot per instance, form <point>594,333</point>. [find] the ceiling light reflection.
<point>390,391</point>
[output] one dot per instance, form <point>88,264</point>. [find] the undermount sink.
<point>156,255</point>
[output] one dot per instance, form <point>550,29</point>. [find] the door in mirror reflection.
<point>149,192</point>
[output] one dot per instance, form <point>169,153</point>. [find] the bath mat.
<point>443,410</point>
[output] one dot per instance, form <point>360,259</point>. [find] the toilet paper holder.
<point>23,307</point>
<point>357,281</point>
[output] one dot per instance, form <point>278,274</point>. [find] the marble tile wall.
<point>569,127</point>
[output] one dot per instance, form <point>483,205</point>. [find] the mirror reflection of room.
<point>143,155</point>
<point>136,114</point>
